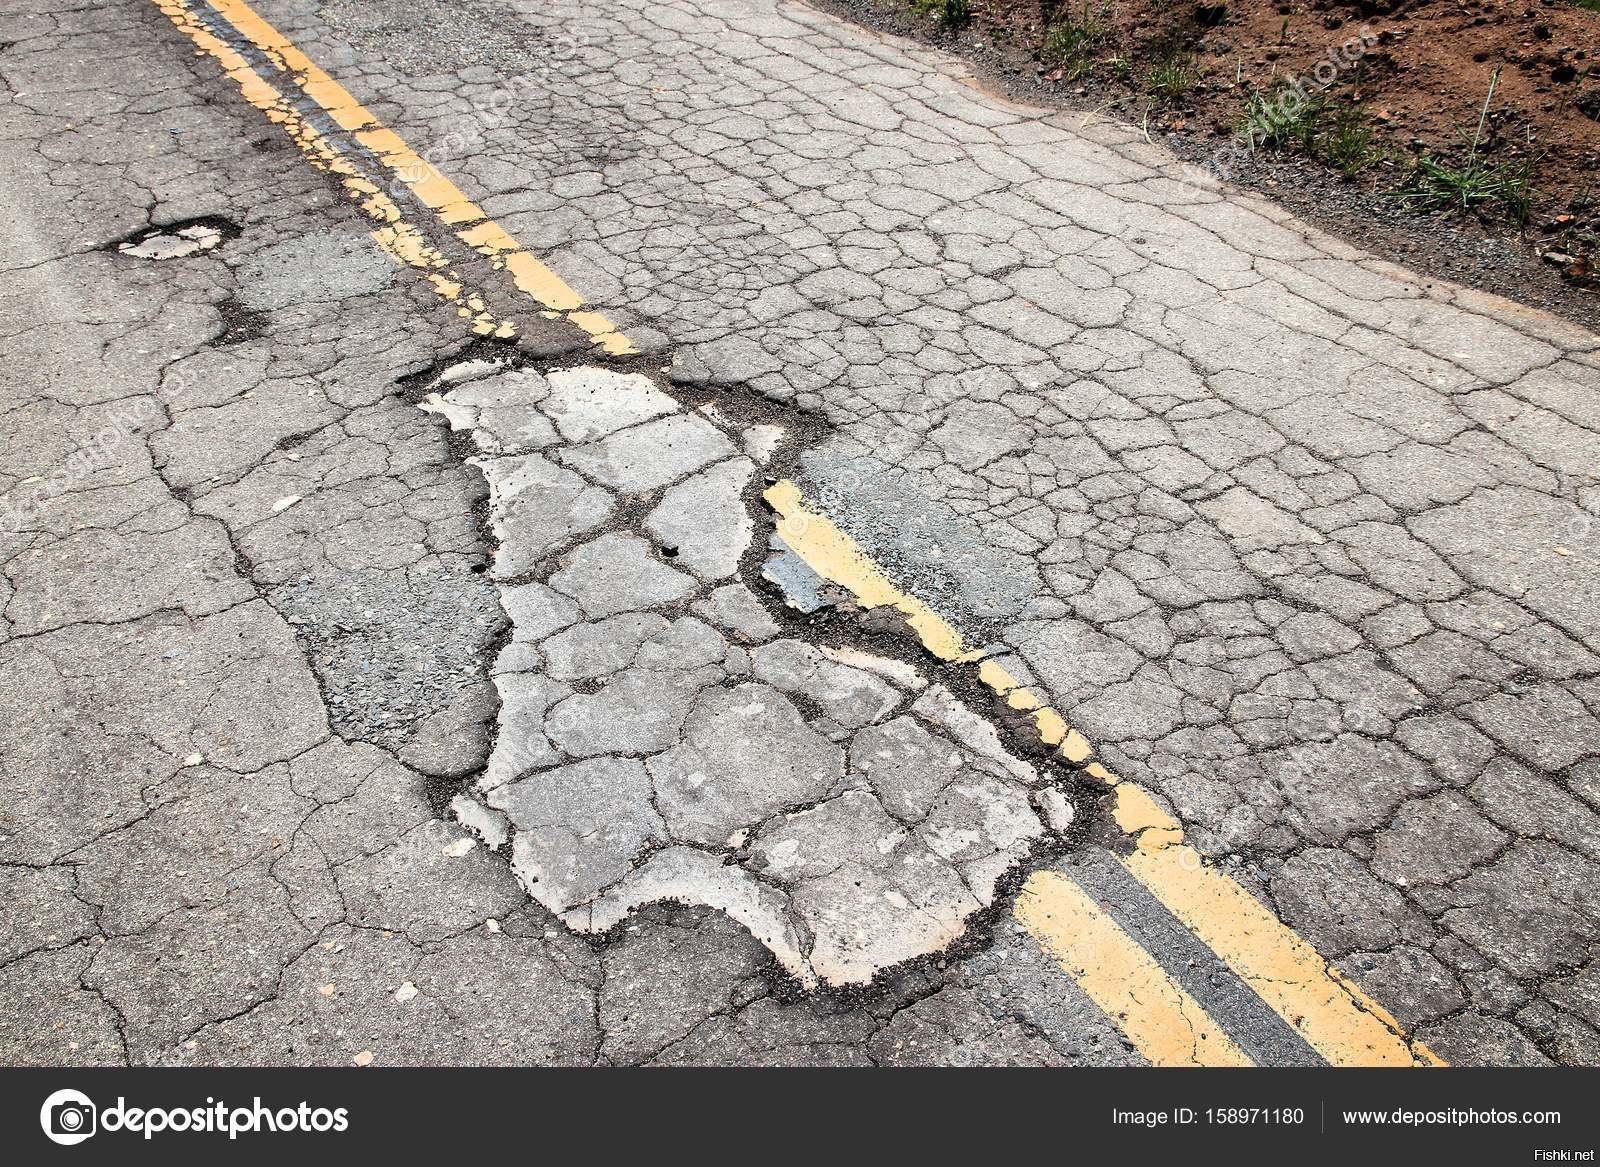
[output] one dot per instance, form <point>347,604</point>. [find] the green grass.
<point>1175,67</point>
<point>1283,120</point>
<point>1348,143</point>
<point>1473,184</point>
<point>1173,75</point>
<point>1336,133</point>
<point>1436,185</point>
<point>1074,41</point>
<point>950,13</point>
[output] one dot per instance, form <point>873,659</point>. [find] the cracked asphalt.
<point>690,532</point>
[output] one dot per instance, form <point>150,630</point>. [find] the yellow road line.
<point>401,239</point>
<point>1285,971</point>
<point>835,556</point>
<point>1159,1017</point>
<point>1334,1016</point>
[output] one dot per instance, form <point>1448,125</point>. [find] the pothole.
<point>178,240</point>
<point>660,737</point>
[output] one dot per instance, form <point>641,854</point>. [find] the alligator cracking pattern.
<point>1302,546</point>
<point>659,739</point>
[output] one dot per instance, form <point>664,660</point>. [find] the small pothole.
<point>177,240</point>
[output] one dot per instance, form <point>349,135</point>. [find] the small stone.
<point>1057,810</point>
<point>761,442</point>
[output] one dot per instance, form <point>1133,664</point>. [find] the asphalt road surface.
<point>688,532</point>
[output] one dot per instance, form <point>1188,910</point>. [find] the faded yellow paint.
<point>402,241</point>
<point>1337,1019</point>
<point>540,282</point>
<point>1052,729</point>
<point>1076,748</point>
<point>1157,1014</point>
<point>1141,817</point>
<point>1001,681</point>
<point>834,555</point>
<point>1334,1016</point>
<point>837,558</point>
<point>1099,773</point>
<point>603,333</point>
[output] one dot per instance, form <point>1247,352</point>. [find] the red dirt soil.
<point>1421,79</point>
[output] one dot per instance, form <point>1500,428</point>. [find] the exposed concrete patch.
<point>178,240</point>
<point>702,522</point>
<point>645,755</point>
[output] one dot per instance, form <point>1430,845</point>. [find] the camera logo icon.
<point>68,1117</point>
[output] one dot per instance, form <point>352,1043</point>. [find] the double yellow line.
<point>1166,1024</point>
<point>379,163</point>
<point>1340,1022</point>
